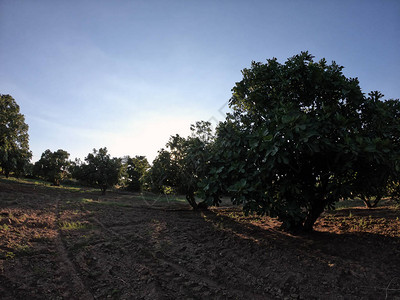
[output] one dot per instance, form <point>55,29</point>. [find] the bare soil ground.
<point>60,243</point>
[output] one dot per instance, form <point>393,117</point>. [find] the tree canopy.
<point>182,166</point>
<point>99,169</point>
<point>14,138</point>
<point>53,166</point>
<point>133,171</point>
<point>301,137</point>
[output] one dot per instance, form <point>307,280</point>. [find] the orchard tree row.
<point>301,136</point>
<point>98,169</point>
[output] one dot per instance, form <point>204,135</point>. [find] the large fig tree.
<point>297,142</point>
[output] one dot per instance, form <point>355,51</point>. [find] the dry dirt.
<point>74,244</point>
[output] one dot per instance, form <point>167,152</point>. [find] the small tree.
<point>99,170</point>
<point>134,170</point>
<point>297,142</point>
<point>182,167</point>
<point>190,155</point>
<point>380,123</point>
<point>53,166</point>
<point>14,138</point>
<point>162,174</point>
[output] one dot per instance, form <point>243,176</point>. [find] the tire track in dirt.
<point>163,263</point>
<point>155,259</point>
<point>81,291</point>
<point>153,288</point>
<point>152,259</point>
<point>208,262</point>
<point>200,278</point>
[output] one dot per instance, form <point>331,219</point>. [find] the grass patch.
<point>17,250</point>
<point>357,202</point>
<point>114,204</point>
<point>10,255</point>
<point>99,203</point>
<point>349,203</point>
<point>4,227</point>
<point>74,225</point>
<point>26,181</point>
<point>43,183</point>
<point>40,238</point>
<point>23,249</point>
<point>163,198</point>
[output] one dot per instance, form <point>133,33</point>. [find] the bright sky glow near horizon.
<point>128,74</point>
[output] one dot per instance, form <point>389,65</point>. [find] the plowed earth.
<point>76,244</point>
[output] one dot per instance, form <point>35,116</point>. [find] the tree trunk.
<point>292,226</point>
<point>192,201</point>
<point>313,215</point>
<point>202,205</point>
<point>376,201</point>
<point>103,190</point>
<point>368,203</point>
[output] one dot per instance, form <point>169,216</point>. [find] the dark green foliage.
<point>14,138</point>
<point>134,170</point>
<point>381,127</point>
<point>393,191</point>
<point>181,168</point>
<point>29,170</point>
<point>162,174</point>
<point>298,141</point>
<point>99,169</point>
<point>53,166</point>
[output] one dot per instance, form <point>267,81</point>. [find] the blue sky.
<point>128,74</point>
